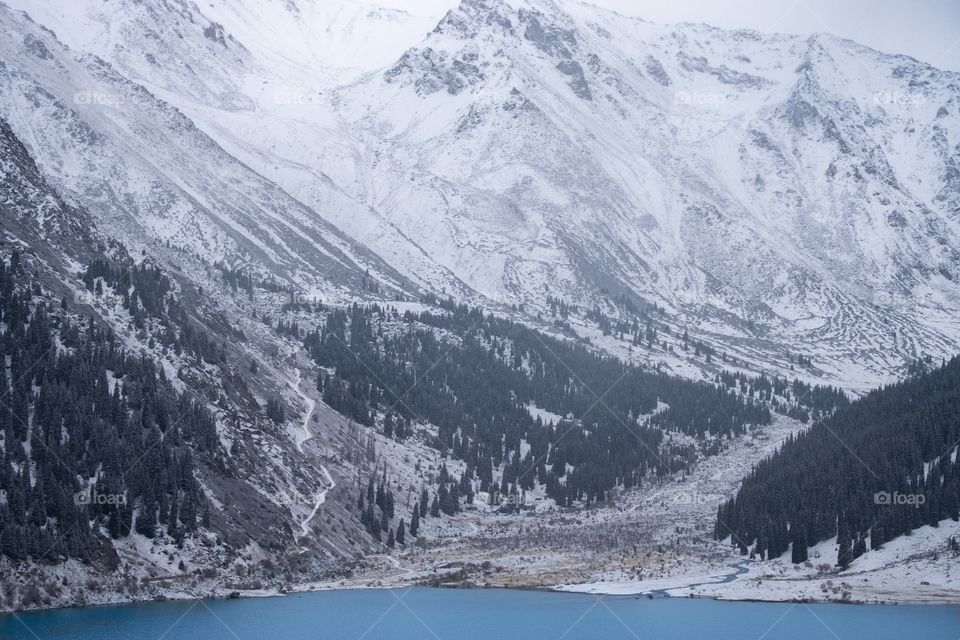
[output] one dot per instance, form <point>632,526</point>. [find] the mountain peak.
<point>472,15</point>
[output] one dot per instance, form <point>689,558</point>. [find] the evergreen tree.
<point>415,520</point>
<point>896,441</point>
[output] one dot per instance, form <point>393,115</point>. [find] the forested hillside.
<point>95,441</point>
<point>130,421</point>
<point>873,471</point>
<point>475,377</point>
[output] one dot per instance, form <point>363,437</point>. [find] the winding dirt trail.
<point>305,435</point>
<point>311,405</point>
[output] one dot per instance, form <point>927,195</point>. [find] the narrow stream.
<point>739,568</point>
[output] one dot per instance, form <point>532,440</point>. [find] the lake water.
<point>481,614</point>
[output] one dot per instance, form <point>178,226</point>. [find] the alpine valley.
<point>315,294</point>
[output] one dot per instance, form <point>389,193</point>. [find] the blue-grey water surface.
<point>475,614</point>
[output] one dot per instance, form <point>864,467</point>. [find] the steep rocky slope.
<point>261,486</point>
<point>770,191</point>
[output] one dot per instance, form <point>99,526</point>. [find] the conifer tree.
<point>415,520</point>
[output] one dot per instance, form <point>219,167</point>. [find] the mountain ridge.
<point>760,215</point>
<point>564,150</point>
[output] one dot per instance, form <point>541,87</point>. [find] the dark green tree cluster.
<point>275,409</point>
<point>872,471</point>
<point>796,399</point>
<point>369,284</point>
<point>143,287</point>
<point>560,308</point>
<point>476,385</point>
<point>146,292</point>
<point>96,442</point>
<point>450,491</point>
<point>377,508</point>
<point>237,279</point>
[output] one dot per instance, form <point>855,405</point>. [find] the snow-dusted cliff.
<point>799,193</point>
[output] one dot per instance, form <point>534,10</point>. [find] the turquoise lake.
<point>447,614</point>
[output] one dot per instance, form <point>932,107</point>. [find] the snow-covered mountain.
<point>263,494</point>
<point>805,184</point>
<point>775,194</point>
<point>769,195</point>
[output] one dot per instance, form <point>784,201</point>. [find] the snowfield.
<point>775,194</point>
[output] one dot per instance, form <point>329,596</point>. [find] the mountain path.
<point>305,435</point>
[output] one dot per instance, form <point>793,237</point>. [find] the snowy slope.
<point>782,193</point>
<point>263,488</point>
<point>154,179</point>
<point>562,149</point>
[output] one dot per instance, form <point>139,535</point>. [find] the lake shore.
<point>924,578</point>
<point>657,541</point>
<point>464,614</point>
<point>790,591</point>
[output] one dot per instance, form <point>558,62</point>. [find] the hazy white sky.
<point>928,30</point>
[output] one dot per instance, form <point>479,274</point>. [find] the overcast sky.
<point>928,30</point>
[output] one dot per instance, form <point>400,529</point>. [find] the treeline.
<point>476,383</point>
<point>147,293</point>
<point>95,442</point>
<point>796,399</point>
<point>377,506</point>
<point>874,470</point>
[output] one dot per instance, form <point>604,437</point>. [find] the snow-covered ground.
<point>920,568</point>
<point>917,568</point>
<point>658,540</point>
<point>654,159</point>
